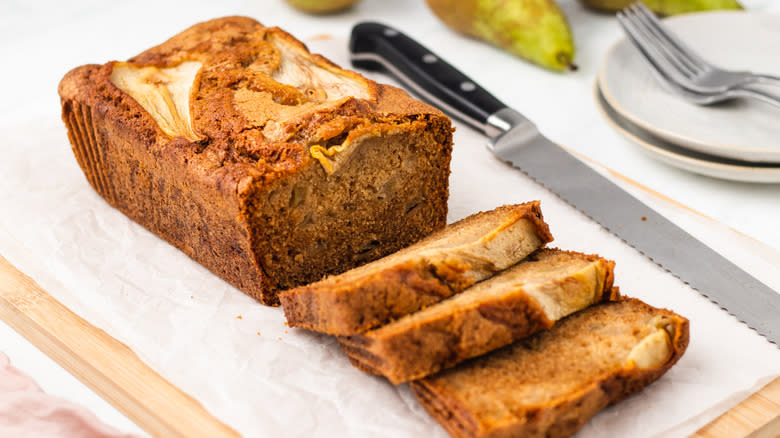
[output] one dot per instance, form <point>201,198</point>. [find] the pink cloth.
<point>27,411</point>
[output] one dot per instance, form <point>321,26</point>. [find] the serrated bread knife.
<point>516,140</point>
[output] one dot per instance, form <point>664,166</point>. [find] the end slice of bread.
<point>552,383</point>
<point>513,304</point>
<point>436,268</point>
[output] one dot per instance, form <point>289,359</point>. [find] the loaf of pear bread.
<point>267,164</point>
<point>432,270</point>
<point>551,384</point>
<point>513,304</point>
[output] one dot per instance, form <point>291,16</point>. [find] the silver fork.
<point>705,77</point>
<point>669,69</point>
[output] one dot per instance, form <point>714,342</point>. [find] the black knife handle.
<point>374,46</point>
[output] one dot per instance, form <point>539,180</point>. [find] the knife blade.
<point>516,140</point>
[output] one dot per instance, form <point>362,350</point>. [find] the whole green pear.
<point>664,7</point>
<point>535,30</point>
<point>321,6</point>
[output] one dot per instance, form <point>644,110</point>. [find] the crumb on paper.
<point>321,37</point>
<point>258,333</point>
<point>280,338</point>
<point>644,218</point>
<point>286,324</point>
<point>239,317</point>
<point>285,332</point>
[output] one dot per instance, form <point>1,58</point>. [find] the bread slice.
<point>267,164</point>
<point>441,265</point>
<point>551,384</point>
<point>513,304</point>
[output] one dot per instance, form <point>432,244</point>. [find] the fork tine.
<point>652,28</point>
<point>663,32</point>
<point>663,70</point>
<point>672,78</point>
<point>646,37</point>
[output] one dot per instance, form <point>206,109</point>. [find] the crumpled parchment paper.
<point>262,378</point>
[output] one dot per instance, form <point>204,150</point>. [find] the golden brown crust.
<point>165,187</point>
<point>410,349</point>
<point>225,46</point>
<point>345,306</point>
<point>453,397</point>
<point>217,198</point>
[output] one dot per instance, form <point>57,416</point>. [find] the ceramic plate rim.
<point>679,139</point>
<point>763,175</point>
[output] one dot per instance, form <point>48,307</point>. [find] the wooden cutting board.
<point>113,371</point>
<point>104,364</point>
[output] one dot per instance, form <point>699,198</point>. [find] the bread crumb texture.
<point>550,384</point>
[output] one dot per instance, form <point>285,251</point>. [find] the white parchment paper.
<point>262,378</point>
<point>240,360</point>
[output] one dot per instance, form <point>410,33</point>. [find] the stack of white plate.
<point>737,140</point>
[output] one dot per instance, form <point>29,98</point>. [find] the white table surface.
<point>41,41</point>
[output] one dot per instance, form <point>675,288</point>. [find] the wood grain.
<point>758,416</point>
<point>104,364</point>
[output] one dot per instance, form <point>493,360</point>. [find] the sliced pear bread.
<point>513,304</point>
<point>552,383</point>
<point>439,266</point>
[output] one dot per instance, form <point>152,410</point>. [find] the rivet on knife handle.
<point>374,46</point>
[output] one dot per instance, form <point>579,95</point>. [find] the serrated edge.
<point>708,297</point>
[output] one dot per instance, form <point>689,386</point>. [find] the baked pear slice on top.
<point>511,305</point>
<point>443,264</point>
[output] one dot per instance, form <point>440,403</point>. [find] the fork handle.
<point>764,96</point>
<point>762,78</point>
